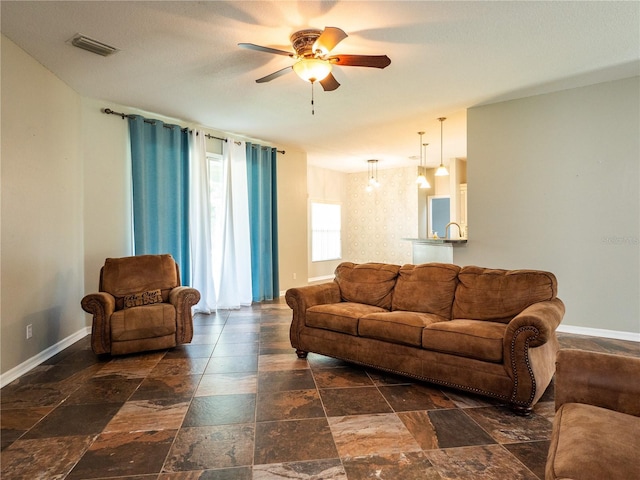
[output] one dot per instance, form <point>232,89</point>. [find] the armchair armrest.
<point>301,298</point>
<point>183,298</point>
<point>101,305</point>
<point>600,379</point>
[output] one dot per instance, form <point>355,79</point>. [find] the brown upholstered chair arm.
<point>301,298</point>
<point>600,379</point>
<point>537,323</point>
<point>101,305</point>
<point>183,298</point>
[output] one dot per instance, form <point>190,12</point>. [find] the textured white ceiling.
<point>181,59</point>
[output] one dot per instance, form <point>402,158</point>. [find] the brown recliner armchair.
<point>140,306</point>
<point>596,429</point>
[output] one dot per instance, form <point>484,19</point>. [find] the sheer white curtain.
<point>200,224</point>
<point>232,252</point>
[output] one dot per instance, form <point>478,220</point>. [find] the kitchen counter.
<point>426,250</point>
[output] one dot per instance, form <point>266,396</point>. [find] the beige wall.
<point>553,184</point>
<point>42,208</point>
<point>378,221</point>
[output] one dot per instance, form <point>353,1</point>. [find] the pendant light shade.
<point>441,171</point>
<point>422,179</point>
<point>372,170</point>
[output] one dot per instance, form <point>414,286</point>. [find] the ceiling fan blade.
<point>376,61</point>
<point>277,74</point>
<point>328,39</point>
<point>329,83</point>
<point>260,48</point>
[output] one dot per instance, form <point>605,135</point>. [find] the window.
<point>325,232</point>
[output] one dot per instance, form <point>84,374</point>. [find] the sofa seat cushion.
<point>368,283</point>
<point>397,327</point>
<point>426,288</point>
<point>339,317</point>
<point>593,443</point>
<point>148,321</point>
<point>468,338</point>
<point>499,295</point>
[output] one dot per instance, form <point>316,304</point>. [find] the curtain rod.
<point>124,115</point>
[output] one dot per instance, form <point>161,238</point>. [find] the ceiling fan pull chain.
<point>313,111</point>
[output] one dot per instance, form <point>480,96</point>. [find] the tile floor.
<point>237,404</point>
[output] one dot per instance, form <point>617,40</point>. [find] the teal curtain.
<point>263,221</point>
<point>160,175</point>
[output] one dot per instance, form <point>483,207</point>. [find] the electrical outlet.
<point>29,331</point>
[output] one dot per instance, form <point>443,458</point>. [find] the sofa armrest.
<point>600,379</point>
<point>183,298</point>
<point>301,298</point>
<point>539,320</point>
<point>101,305</point>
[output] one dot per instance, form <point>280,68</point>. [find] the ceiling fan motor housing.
<point>303,41</point>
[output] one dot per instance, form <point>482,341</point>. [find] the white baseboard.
<point>599,332</point>
<point>19,370</point>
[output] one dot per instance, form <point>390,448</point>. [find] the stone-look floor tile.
<point>221,410</point>
<point>176,387</point>
<point>469,400</point>
<point>329,469</point>
<point>119,454</point>
<point>546,410</point>
<point>381,378</point>
<point>155,414</point>
<point>276,348</point>
<point>189,351</point>
<point>237,364</point>
<point>237,473</point>
<point>62,373</point>
<point>50,458</point>
<point>490,462</point>
<point>619,347</point>
<point>227,384</point>
<point>341,377</point>
<point>285,380</point>
<point>293,441</point>
<point>179,366</point>
<point>283,361</point>
<point>96,390</point>
<point>15,422</point>
<point>339,402</point>
<point>320,361</point>
<point>507,427</point>
<point>404,398</point>
<point>235,349</point>
<point>238,337</point>
<point>371,435</point>
<point>291,405</point>
<point>215,447</point>
<point>34,395</point>
<point>444,429</point>
<point>242,328</point>
<point>532,454</point>
<point>153,476</point>
<point>129,367</point>
<point>205,339</point>
<point>74,420</point>
<point>396,466</point>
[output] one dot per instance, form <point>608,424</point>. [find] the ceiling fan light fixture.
<point>312,69</point>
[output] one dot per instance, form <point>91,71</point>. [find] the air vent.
<point>91,45</point>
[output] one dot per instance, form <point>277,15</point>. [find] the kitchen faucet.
<point>446,229</point>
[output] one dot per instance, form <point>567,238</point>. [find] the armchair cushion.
<point>143,322</point>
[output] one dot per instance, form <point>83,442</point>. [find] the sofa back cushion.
<point>426,288</point>
<point>142,274</point>
<point>499,295</point>
<point>368,283</point>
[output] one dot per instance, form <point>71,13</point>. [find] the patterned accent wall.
<point>377,221</point>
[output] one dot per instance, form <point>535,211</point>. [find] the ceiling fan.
<point>312,60</point>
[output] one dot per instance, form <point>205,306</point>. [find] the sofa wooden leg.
<point>521,411</point>
<point>301,353</point>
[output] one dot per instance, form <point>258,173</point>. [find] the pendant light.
<point>426,183</point>
<point>441,171</point>
<point>422,180</point>
<point>372,171</point>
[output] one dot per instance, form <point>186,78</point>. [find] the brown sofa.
<point>491,332</point>
<point>140,306</point>
<point>596,430</point>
